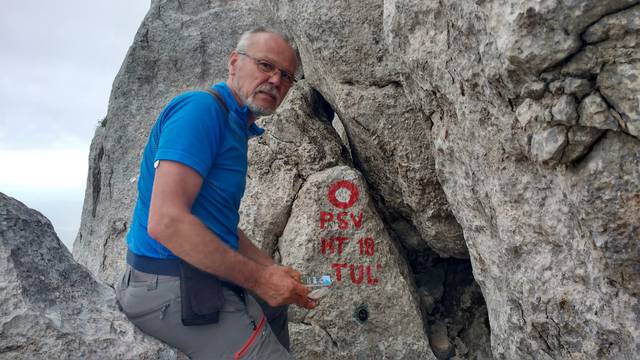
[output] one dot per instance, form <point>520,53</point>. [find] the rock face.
<point>386,132</point>
<point>495,145</point>
<point>543,263</point>
<point>369,275</point>
<point>51,307</point>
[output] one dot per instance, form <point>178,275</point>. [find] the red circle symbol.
<point>343,184</point>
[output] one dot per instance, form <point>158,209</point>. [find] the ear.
<point>233,63</point>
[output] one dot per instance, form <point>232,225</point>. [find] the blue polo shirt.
<point>193,129</point>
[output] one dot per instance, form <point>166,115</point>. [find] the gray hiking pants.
<point>246,329</point>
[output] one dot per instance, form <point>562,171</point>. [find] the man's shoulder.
<point>196,102</point>
<point>194,97</point>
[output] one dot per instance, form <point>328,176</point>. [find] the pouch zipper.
<point>251,340</point>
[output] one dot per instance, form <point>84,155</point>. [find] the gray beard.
<point>257,110</point>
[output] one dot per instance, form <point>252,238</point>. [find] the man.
<point>192,178</point>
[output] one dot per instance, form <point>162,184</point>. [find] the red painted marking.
<point>343,184</point>
<point>327,246</point>
<point>341,241</point>
<point>356,223</point>
<point>338,268</point>
<point>367,246</point>
<point>325,217</point>
<point>355,280</point>
<point>342,223</point>
<point>371,280</point>
<point>357,273</point>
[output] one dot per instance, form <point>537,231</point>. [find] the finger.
<point>305,302</point>
<point>301,290</point>
<point>309,304</point>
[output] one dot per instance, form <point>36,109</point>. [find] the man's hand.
<point>280,285</point>
<point>294,274</point>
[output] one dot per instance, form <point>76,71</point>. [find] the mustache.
<point>268,89</point>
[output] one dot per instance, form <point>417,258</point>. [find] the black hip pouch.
<point>201,296</point>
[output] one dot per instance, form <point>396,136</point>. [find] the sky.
<point>58,61</point>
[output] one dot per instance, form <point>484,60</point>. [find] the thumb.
<point>294,274</point>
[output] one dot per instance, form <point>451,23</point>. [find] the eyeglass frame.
<point>258,62</point>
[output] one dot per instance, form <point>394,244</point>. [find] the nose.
<point>275,78</point>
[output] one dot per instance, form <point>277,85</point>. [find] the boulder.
<point>565,111</point>
<point>51,307</point>
<point>595,113</point>
<point>372,310</point>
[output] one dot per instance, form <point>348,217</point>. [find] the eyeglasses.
<point>270,69</point>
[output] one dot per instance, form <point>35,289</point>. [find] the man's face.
<point>258,88</point>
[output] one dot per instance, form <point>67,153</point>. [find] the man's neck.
<point>252,117</point>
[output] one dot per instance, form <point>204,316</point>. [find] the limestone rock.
<point>337,124</point>
<point>565,111</point>
<point>51,307</point>
<point>594,112</point>
<point>571,85</point>
<point>547,145</point>
<point>346,59</point>
<point>615,26</point>
<point>296,144</point>
<point>580,138</point>
<point>612,164</point>
<point>530,111</point>
<point>535,36</point>
<point>372,277</point>
<point>533,90</point>
<point>556,87</point>
<point>612,40</point>
<point>620,85</point>
<point>439,341</point>
<point>516,216</point>
<point>576,86</point>
<point>584,63</point>
<point>614,57</point>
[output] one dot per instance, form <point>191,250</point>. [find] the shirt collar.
<point>242,112</point>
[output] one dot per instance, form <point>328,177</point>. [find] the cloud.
<point>59,60</point>
<point>54,169</point>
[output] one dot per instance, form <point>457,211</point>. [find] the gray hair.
<point>243,42</point>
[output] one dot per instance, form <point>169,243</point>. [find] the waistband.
<point>168,267</point>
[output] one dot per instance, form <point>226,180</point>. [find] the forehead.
<point>273,48</point>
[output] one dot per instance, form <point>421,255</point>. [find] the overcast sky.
<point>58,61</point>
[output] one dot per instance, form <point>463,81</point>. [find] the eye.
<point>265,66</point>
<point>286,76</point>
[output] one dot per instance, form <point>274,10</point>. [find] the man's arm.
<point>171,222</point>
<point>247,248</point>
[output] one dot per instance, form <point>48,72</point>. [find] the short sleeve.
<point>191,132</point>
